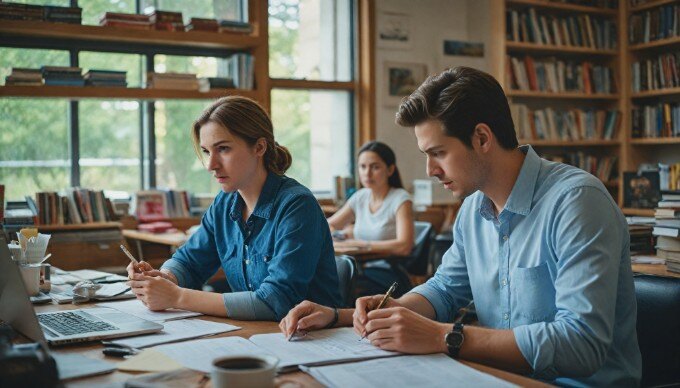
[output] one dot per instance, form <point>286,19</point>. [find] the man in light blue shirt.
<point>541,248</point>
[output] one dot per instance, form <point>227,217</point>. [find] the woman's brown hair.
<point>246,119</point>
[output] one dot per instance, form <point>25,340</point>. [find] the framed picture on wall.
<point>394,30</point>
<point>401,79</point>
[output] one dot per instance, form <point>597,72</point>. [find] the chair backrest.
<point>658,328</point>
<point>417,264</point>
<point>347,269</point>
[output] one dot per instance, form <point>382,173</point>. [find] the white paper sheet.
<point>432,371</point>
<point>199,354</point>
<point>319,347</point>
<point>137,308</point>
<point>175,331</point>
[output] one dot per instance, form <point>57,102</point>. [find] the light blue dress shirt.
<point>282,255</point>
<point>554,267</point>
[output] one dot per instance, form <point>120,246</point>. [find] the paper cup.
<point>31,275</point>
<point>244,371</point>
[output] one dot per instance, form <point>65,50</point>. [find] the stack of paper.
<point>137,308</point>
<point>174,331</point>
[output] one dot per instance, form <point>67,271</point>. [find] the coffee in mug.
<point>244,371</point>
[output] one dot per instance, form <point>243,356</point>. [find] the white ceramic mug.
<point>241,371</point>
<point>31,275</point>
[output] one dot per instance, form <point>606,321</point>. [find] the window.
<point>312,41</point>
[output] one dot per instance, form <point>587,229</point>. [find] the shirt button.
<point>504,282</point>
<point>250,286</point>
<point>505,238</point>
<point>247,261</point>
<point>506,316</point>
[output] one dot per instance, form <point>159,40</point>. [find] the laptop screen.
<point>15,305</point>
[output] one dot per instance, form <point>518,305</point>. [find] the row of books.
<point>185,81</point>
<point>603,167</point>
<point>667,228</point>
<point>73,206</point>
<point>564,125</point>
<point>171,21</point>
<point>155,205</point>
<point>655,24</point>
<point>669,176</point>
<point>657,73</point>
<point>576,31</point>
<point>65,76</point>
<point>50,13</point>
<point>552,75</point>
<point>654,121</point>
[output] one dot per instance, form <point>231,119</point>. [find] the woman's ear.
<point>260,146</point>
<point>390,170</point>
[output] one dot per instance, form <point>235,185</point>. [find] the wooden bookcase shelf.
<point>115,34</point>
<point>535,48</point>
<point>570,143</point>
<point>651,4</point>
<point>562,7</point>
<point>656,141</point>
<point>656,93</point>
<point>629,211</point>
<point>661,43</point>
<point>78,92</point>
<point>84,226</point>
<point>561,95</point>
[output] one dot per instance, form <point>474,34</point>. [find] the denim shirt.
<point>554,267</point>
<point>283,253</point>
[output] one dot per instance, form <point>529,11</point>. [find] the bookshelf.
<point>630,152</point>
<point>254,43</point>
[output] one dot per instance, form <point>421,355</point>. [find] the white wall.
<point>432,21</point>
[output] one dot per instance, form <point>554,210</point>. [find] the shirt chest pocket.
<point>257,266</point>
<point>532,294</point>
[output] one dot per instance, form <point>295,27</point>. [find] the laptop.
<point>60,327</point>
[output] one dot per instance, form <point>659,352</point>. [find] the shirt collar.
<point>522,193</point>
<point>265,202</point>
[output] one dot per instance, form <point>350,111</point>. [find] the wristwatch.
<point>454,339</point>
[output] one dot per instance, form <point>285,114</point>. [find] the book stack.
<point>211,83</point>
<point>63,76</point>
<point>106,78</point>
<point>16,11</point>
<point>177,81</point>
<point>167,21</point>
<point>573,124</point>
<point>661,120</point>
<point>573,31</point>
<point>233,26</point>
<point>74,206</point>
<point>200,24</point>
<point>72,15</point>
<point>243,74</point>
<point>126,20</point>
<point>661,72</point>
<point>602,167</point>
<point>655,24</point>
<point>554,76</point>
<point>641,239</point>
<point>24,76</point>
<point>155,205</point>
<point>19,214</point>
<point>667,227</point>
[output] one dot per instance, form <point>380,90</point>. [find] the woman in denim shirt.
<point>265,230</point>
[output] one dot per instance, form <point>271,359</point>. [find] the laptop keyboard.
<point>68,323</point>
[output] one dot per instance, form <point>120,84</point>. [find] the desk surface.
<point>174,239</point>
<point>94,350</point>
<point>655,269</point>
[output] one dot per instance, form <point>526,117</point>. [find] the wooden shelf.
<point>656,93</point>
<point>629,211</point>
<point>561,95</point>
<point>656,141</point>
<point>85,226</point>
<point>570,143</point>
<point>114,34</point>
<point>655,44</point>
<point>652,4</point>
<point>554,49</point>
<point>78,92</point>
<point>564,7</point>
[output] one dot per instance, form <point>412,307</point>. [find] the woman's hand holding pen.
<point>156,292</point>
<point>144,268</point>
<point>304,317</point>
<point>400,329</point>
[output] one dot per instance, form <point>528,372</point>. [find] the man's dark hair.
<point>460,98</point>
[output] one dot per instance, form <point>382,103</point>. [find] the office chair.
<point>376,279</point>
<point>658,329</point>
<point>347,270</point>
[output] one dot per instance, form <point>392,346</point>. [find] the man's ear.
<point>482,137</point>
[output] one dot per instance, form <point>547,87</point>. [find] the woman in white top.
<point>382,211</point>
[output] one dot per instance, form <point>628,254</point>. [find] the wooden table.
<point>94,350</point>
<point>172,240</point>
<point>655,269</point>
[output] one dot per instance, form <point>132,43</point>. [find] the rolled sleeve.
<point>589,247</point>
<point>246,306</point>
<point>295,258</point>
<point>449,288</point>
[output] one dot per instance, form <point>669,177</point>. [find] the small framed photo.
<point>464,49</point>
<point>402,79</point>
<point>394,30</point>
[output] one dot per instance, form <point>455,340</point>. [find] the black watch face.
<point>454,339</point>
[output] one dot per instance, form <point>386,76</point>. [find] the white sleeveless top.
<point>381,225</point>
